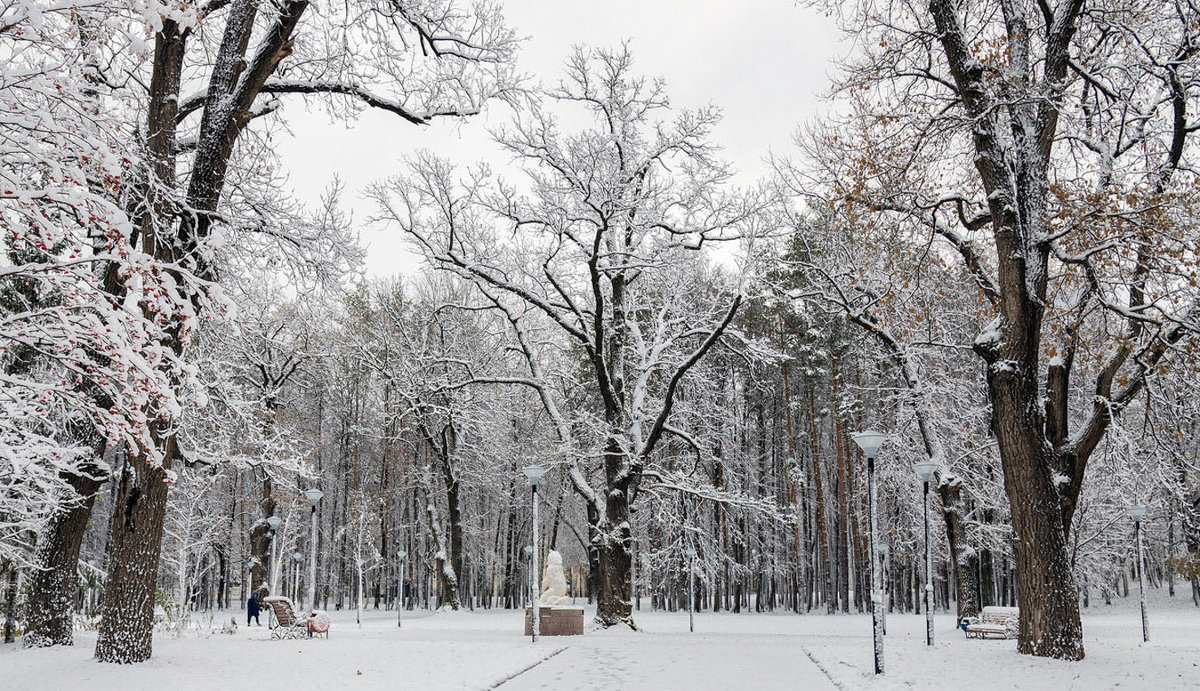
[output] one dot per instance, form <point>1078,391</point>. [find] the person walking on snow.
<point>252,609</point>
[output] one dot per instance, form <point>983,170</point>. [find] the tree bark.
<point>614,537</point>
<point>50,611</point>
<point>135,542</point>
<point>10,603</point>
<point>260,540</point>
<point>965,577</point>
<point>822,526</point>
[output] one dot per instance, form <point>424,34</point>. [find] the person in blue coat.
<point>252,609</point>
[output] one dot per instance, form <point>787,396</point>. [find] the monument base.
<point>555,621</point>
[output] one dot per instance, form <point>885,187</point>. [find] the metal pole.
<point>692,594</point>
<point>535,576</point>
<point>876,583</point>
<point>312,565</point>
<point>928,574</point>
<point>885,585</point>
<point>1142,581</point>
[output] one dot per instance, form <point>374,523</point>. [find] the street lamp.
<point>926,470</point>
<point>296,575</point>
<point>691,555</point>
<point>870,441</point>
<point>313,496</point>
<point>885,584</point>
<point>535,473</point>
<point>400,594</point>
<point>272,522</point>
<point>1136,512</point>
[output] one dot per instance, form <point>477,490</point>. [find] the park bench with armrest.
<point>285,623</point>
<point>997,622</point>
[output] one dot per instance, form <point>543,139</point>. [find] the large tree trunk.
<point>141,499</point>
<point>614,597</point>
<point>134,544</point>
<point>50,611</point>
<point>1046,591</point>
<point>260,541</point>
<point>447,574</point>
<point>1014,174</point>
<point>453,511</point>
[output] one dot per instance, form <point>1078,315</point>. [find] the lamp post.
<point>1136,512</point>
<point>400,594</point>
<point>313,496</point>
<point>885,584</point>
<point>296,575</point>
<point>926,470</point>
<point>870,441</point>
<point>273,522</point>
<point>535,473</point>
<point>691,555</point>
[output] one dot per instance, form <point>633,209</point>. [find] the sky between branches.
<point>764,62</point>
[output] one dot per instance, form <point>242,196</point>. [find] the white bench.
<point>999,622</point>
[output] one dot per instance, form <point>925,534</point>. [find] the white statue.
<point>554,583</point>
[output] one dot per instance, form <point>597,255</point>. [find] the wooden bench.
<point>285,623</point>
<point>997,622</point>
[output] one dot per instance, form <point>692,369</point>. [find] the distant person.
<point>252,609</point>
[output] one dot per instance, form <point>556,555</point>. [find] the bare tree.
<point>246,56</point>
<point>1045,145</point>
<point>600,254</point>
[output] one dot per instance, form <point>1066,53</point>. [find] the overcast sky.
<point>764,62</point>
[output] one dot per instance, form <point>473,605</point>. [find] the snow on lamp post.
<point>691,555</point>
<point>885,584</point>
<point>296,575</point>
<point>535,473</point>
<point>273,522</point>
<point>926,470</point>
<point>313,496</point>
<point>870,441</point>
<point>400,594</point>
<point>1136,512</point>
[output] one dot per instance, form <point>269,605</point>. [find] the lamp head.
<point>402,554</point>
<point>870,441</point>
<point>925,470</point>
<point>1137,511</point>
<point>274,522</point>
<point>298,557</point>
<point>313,495</point>
<point>534,473</point>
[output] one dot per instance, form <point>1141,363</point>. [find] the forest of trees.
<point>989,253</point>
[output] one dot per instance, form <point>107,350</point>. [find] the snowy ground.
<point>484,649</point>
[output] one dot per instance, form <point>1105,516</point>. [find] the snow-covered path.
<point>623,659</point>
